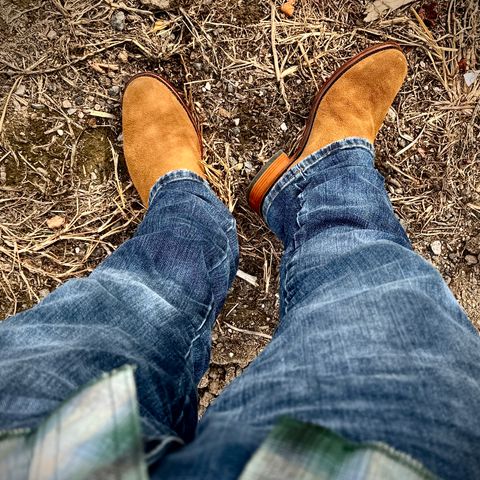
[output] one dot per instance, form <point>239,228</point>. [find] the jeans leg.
<point>371,342</point>
<point>152,303</point>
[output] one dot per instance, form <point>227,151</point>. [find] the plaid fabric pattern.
<point>300,451</point>
<point>93,435</point>
<point>96,435</point>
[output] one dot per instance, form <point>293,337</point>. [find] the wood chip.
<point>97,113</point>
<point>251,279</point>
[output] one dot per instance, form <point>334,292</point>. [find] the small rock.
<point>37,106</point>
<point>391,115</point>
<point>197,66</point>
<point>80,115</point>
<point>214,387</point>
<point>67,104</point>
<point>283,127</point>
<point>71,111</point>
<point>471,260</point>
<point>436,247</point>
<point>157,4</point>
<point>208,86</point>
<point>20,91</point>
<point>230,88</point>
<point>52,35</point>
<point>43,292</point>
<point>203,382</point>
<point>236,122</point>
<point>60,132</point>
<point>473,245</point>
<point>55,222</point>
<point>123,56</point>
<point>205,399</point>
<point>114,91</point>
<point>117,20</point>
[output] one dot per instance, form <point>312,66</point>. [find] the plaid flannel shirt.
<point>96,434</point>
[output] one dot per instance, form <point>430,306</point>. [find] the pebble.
<point>283,127</point>
<point>197,66</point>
<point>114,91</point>
<point>473,245</point>
<point>208,87</point>
<point>236,122</point>
<point>123,56</point>
<point>391,115</point>
<point>38,106</point>
<point>205,399</point>
<point>20,91</point>
<point>471,260</point>
<point>52,35</point>
<point>43,292</point>
<point>436,247</point>
<point>55,222</point>
<point>71,111</point>
<point>230,88</point>
<point>158,4</point>
<point>117,20</point>
<point>67,104</point>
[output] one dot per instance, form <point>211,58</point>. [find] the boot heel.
<point>264,180</point>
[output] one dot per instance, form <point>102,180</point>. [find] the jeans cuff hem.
<point>307,163</point>
<point>174,176</point>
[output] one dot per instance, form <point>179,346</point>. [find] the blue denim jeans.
<point>371,343</point>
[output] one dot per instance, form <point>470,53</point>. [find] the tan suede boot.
<point>352,103</point>
<point>159,132</point>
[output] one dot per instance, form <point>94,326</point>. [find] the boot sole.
<point>270,173</point>
<point>174,91</point>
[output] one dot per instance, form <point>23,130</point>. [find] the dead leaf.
<point>462,65</point>
<point>224,113</point>
<point>376,9</point>
<point>159,25</point>
<point>287,8</point>
<point>429,14</point>
<point>55,222</point>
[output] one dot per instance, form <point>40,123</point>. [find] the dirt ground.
<point>250,72</point>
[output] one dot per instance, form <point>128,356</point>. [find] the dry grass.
<point>247,70</point>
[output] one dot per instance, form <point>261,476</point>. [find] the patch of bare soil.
<point>250,72</point>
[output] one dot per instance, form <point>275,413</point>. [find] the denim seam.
<point>291,175</point>
<point>304,181</point>
<point>200,327</point>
